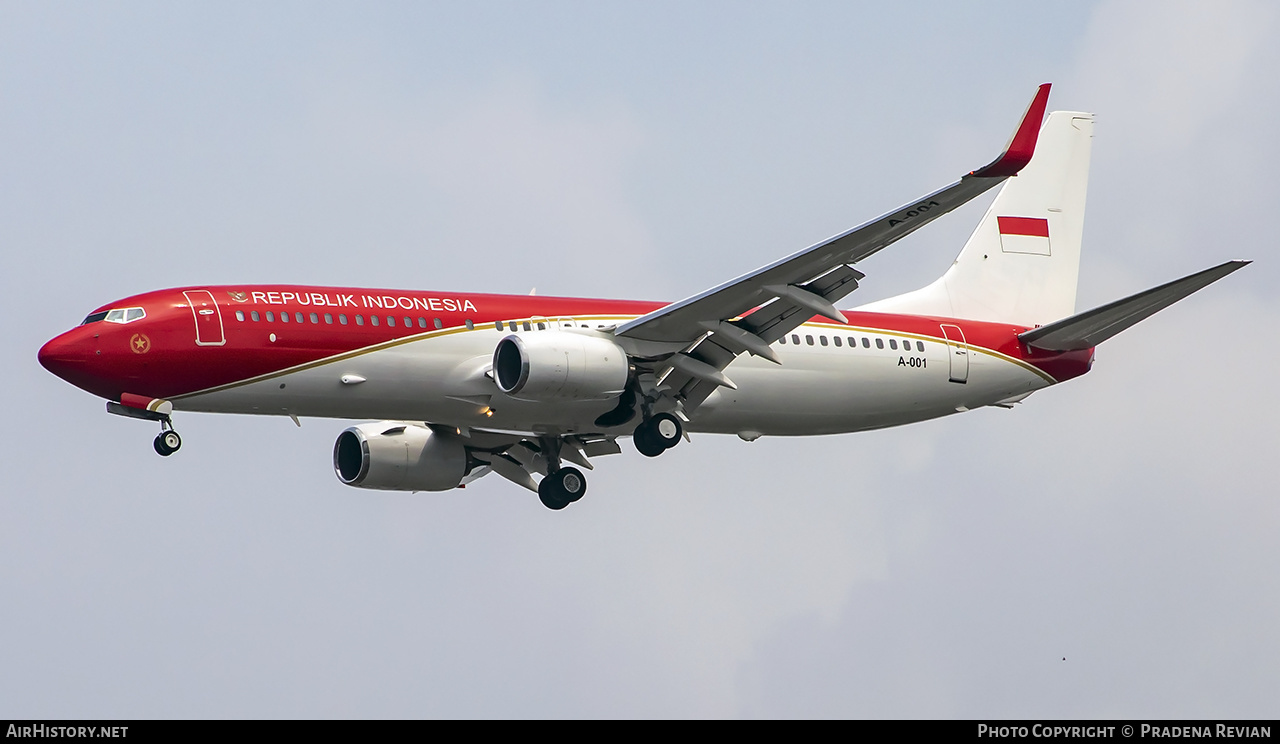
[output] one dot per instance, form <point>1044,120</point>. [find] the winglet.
<point>1023,145</point>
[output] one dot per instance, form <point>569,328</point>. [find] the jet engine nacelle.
<point>393,456</point>
<point>559,365</point>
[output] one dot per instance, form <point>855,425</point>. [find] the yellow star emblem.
<point>140,344</point>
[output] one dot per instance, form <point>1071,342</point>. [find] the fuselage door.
<point>958,352</point>
<point>207,316</point>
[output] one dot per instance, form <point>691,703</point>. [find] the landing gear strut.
<point>167,441</point>
<point>561,488</point>
<point>563,485</point>
<point>658,434</point>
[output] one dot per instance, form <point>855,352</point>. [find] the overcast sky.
<point>1106,549</point>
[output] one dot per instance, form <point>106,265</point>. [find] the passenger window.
<point>541,326</point>
<point>822,340</point>
<point>866,343</point>
<point>298,316</point>
<point>920,346</point>
<point>284,317</point>
<point>498,325</point>
<point>240,315</point>
<point>441,325</point>
<point>408,322</point>
<point>470,326</point>
<point>526,325</point>
<point>795,339</point>
<point>328,318</point>
<point>879,343</point>
<point>391,321</point>
<point>254,315</point>
<point>853,342</point>
<point>422,322</point>
<point>893,344</point>
<point>835,340</point>
<point>808,340</point>
<point>342,318</point>
<point>271,317</point>
<point>783,340</point>
<point>373,321</point>
<point>359,320</point>
<point>315,318</point>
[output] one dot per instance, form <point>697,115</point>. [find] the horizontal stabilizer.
<point>1091,328</point>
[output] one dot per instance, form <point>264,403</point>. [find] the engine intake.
<point>559,365</point>
<point>392,456</point>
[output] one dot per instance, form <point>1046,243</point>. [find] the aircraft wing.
<point>1092,327</point>
<point>719,323</point>
<point>682,321</point>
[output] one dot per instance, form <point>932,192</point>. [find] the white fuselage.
<point>820,388</point>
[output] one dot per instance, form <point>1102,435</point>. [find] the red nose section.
<point>73,356</point>
<point>63,357</point>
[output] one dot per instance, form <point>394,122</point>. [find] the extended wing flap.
<point>1090,328</point>
<point>754,332</point>
<point>783,315</point>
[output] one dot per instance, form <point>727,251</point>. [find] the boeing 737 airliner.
<point>465,384</point>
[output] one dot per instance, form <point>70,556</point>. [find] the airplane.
<point>461,384</point>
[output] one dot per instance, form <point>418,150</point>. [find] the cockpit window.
<point>118,315</point>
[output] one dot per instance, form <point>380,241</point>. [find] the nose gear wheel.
<point>167,442</point>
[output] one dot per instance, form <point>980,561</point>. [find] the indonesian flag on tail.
<point>1024,235</point>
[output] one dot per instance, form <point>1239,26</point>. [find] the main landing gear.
<point>658,434</point>
<point>561,488</point>
<point>562,485</point>
<point>167,441</point>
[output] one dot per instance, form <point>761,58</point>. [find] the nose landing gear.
<point>167,441</point>
<point>150,409</point>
